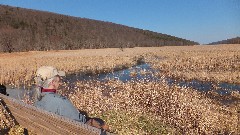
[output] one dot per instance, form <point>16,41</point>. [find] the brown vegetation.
<point>142,107</point>
<point>219,63</point>
<point>235,40</point>
<point>28,30</point>
<point>20,68</point>
<point>206,63</point>
<point>137,103</point>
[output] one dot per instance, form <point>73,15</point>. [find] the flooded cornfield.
<point>143,72</point>
<point>174,90</point>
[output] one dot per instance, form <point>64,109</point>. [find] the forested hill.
<point>228,41</point>
<point>25,30</point>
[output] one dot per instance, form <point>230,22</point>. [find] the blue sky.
<point>202,21</point>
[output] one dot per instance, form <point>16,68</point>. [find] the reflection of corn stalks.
<point>133,73</point>
<point>143,72</point>
<point>215,86</point>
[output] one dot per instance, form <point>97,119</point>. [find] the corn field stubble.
<point>142,107</point>
<point>218,63</point>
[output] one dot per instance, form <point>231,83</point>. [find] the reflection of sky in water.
<point>125,75</point>
<point>141,72</point>
<point>222,88</point>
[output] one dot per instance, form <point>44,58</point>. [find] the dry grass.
<point>142,107</point>
<point>19,68</point>
<point>188,111</point>
<point>219,63</point>
<point>207,63</point>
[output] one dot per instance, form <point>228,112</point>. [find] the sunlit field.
<point>142,106</point>
<point>154,108</point>
<point>19,68</point>
<point>219,63</point>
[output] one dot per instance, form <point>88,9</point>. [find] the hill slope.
<point>24,30</point>
<point>235,40</point>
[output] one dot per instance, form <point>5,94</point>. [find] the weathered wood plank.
<point>43,122</point>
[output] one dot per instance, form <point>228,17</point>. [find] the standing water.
<point>142,72</point>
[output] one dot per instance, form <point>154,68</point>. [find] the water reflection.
<point>142,72</point>
<point>145,72</point>
<point>139,72</point>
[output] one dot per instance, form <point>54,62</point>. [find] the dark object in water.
<point>3,90</point>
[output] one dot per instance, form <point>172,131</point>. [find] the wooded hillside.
<point>235,40</point>
<point>26,30</point>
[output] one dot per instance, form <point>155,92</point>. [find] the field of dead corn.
<point>142,107</point>
<point>219,63</point>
